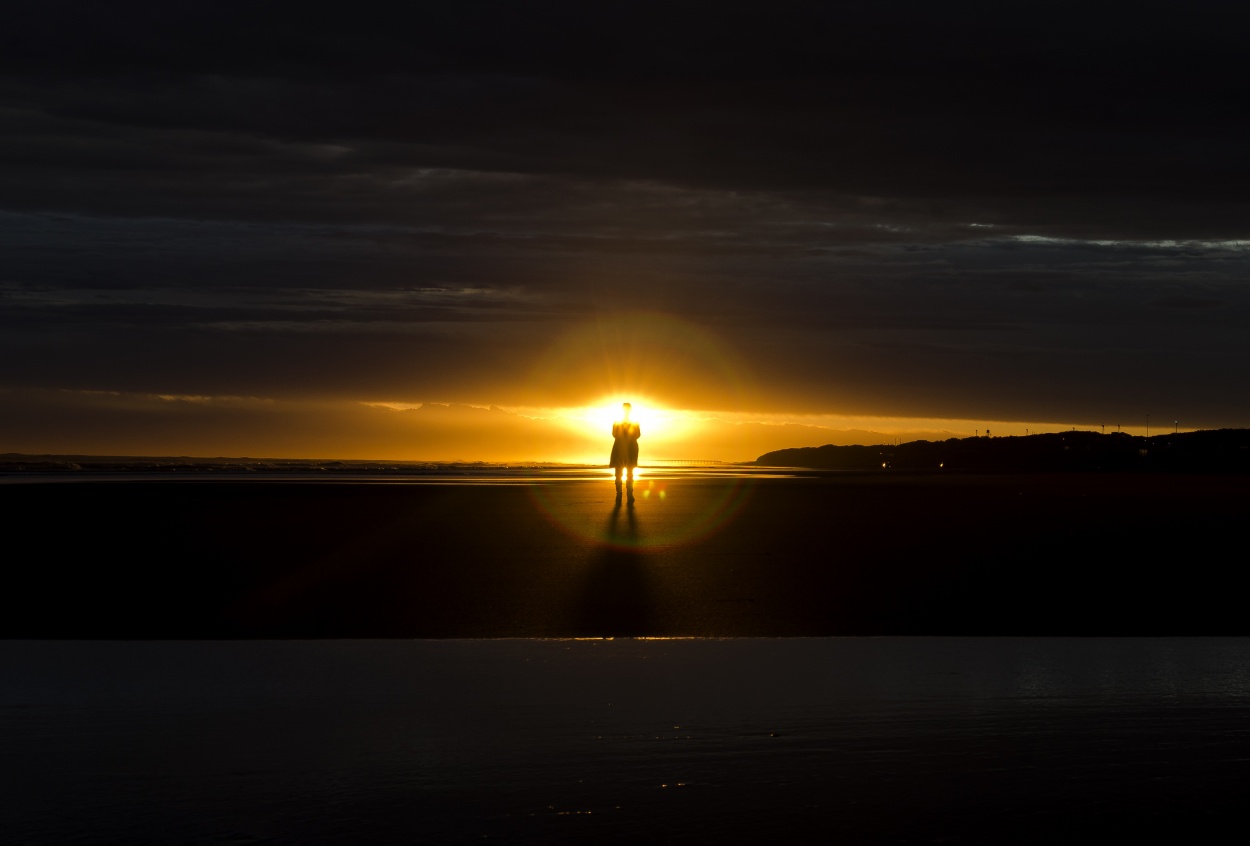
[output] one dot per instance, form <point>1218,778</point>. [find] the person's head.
<point>625,409</point>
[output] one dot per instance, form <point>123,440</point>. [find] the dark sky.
<point>1011,212</point>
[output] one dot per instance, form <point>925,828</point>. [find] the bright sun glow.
<point>603,414</point>
<point>660,426</point>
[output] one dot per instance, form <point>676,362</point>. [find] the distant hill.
<point>1207,451</point>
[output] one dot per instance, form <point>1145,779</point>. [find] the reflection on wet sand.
<point>616,599</point>
<point>745,740</point>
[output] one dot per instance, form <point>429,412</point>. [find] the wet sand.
<point>850,554</point>
<point>828,740</point>
<point>474,720</point>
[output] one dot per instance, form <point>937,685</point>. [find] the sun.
<point>594,421</point>
<point>653,419</point>
<point>666,433</point>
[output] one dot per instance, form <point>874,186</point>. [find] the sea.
<point>739,740</point>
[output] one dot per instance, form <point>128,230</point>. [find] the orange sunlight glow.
<point>649,359</point>
<point>662,428</point>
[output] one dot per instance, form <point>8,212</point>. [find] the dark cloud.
<point>1024,211</point>
<point>1057,117</point>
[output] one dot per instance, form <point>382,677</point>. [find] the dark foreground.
<point>829,740</point>
<point>853,554</point>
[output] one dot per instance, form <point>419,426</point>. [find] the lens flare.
<point>656,362</point>
<point>652,360</point>
<point>669,511</point>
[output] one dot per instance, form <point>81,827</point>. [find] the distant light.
<point>663,494</point>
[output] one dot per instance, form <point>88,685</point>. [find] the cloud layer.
<point>1033,212</point>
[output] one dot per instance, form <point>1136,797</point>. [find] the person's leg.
<point>618,481</point>
<point>629,483</point>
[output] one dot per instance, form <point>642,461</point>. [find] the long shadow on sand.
<point>616,599</point>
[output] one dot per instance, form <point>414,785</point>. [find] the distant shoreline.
<point>16,468</point>
<point>1204,451</point>
<point>1217,451</point>
<point>69,463</point>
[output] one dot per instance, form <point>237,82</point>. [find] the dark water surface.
<point>853,740</point>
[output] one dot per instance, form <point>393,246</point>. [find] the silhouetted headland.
<point>1207,451</point>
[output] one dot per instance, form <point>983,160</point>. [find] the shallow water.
<point>463,473</point>
<point>743,740</point>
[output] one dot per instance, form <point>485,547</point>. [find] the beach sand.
<point>843,740</point>
<point>850,554</point>
<point>327,661</point>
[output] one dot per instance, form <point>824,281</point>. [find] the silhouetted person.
<point>625,434</point>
